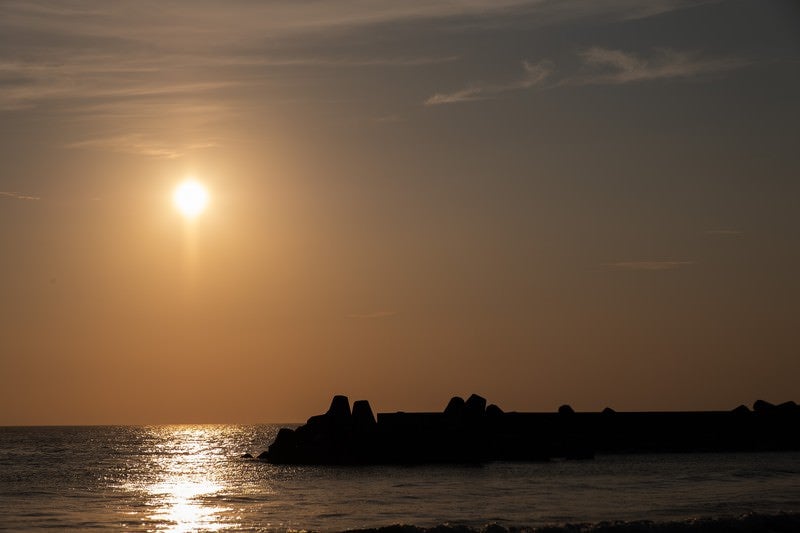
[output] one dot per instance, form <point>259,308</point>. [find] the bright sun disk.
<point>191,198</point>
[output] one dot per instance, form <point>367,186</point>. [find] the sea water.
<point>193,478</point>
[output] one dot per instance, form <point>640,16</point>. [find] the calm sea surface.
<point>189,478</point>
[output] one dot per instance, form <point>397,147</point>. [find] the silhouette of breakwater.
<point>470,432</point>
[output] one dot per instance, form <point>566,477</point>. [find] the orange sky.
<point>542,202</point>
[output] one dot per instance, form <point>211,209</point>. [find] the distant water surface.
<point>191,478</point>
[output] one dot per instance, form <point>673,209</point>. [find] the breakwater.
<point>472,432</point>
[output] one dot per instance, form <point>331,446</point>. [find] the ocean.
<point>193,478</point>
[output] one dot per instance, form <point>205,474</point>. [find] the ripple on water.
<point>183,478</point>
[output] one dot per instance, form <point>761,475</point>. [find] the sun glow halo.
<point>190,198</point>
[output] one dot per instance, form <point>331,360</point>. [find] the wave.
<point>748,523</point>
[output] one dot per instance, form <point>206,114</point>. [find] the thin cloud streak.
<point>608,67</point>
<point>140,145</point>
<point>90,48</point>
<point>14,195</point>
<point>464,95</point>
<point>648,265</point>
<point>235,22</point>
<point>534,74</point>
<point>111,68</point>
<point>616,67</point>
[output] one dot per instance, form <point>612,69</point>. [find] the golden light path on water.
<point>194,478</point>
<point>184,476</point>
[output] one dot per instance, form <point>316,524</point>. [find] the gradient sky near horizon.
<point>542,201</point>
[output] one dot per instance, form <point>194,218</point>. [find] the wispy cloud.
<point>110,68</point>
<point>14,195</point>
<point>355,62</point>
<point>235,20</point>
<point>141,145</point>
<point>647,265</point>
<point>373,315</point>
<point>91,77</point>
<point>84,50</point>
<point>463,95</point>
<point>24,86</point>
<point>607,66</point>
<point>533,75</point>
<point>113,67</point>
<point>603,66</point>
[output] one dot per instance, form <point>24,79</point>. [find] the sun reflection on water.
<point>179,506</point>
<point>183,479</point>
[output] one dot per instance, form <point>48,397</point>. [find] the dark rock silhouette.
<point>340,407</point>
<point>470,432</point>
<point>742,410</point>
<point>363,419</point>
<point>475,406</point>
<point>761,406</point>
<point>455,407</point>
<point>493,411</point>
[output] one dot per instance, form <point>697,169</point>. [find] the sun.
<point>190,198</point>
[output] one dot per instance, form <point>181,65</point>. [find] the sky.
<point>539,201</point>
